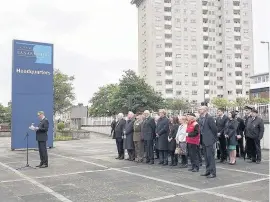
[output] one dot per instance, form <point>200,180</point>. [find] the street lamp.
<point>267,42</point>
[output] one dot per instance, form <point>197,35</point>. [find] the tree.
<point>220,102</point>
<point>177,104</point>
<point>5,114</point>
<point>63,91</point>
<point>135,94</point>
<point>101,102</point>
<point>240,103</point>
<point>259,101</point>
<point>131,94</point>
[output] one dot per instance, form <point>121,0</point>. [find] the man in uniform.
<point>254,133</point>
<point>42,137</point>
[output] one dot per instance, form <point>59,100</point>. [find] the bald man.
<point>42,137</point>
<point>208,130</point>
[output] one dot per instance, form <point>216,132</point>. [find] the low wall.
<point>107,130</point>
<point>5,134</point>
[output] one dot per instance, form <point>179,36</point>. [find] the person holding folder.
<point>42,137</point>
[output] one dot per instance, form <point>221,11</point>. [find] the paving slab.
<point>86,170</point>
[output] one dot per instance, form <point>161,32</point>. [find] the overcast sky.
<point>94,40</point>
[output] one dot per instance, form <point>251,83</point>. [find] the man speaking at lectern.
<point>42,137</point>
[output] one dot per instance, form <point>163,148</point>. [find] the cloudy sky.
<point>94,40</point>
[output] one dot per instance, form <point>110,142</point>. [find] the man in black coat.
<point>221,121</point>
<point>119,136</point>
<point>162,132</point>
<point>148,131</point>
<point>113,124</point>
<point>208,131</point>
<point>254,133</point>
<point>240,131</point>
<point>128,132</point>
<point>247,120</point>
<point>42,137</point>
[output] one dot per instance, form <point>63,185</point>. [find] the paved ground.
<point>86,171</point>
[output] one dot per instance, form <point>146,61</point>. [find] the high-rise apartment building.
<point>196,49</point>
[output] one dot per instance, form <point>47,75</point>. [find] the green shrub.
<point>60,126</point>
<point>62,138</point>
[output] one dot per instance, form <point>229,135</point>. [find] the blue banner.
<point>32,90</point>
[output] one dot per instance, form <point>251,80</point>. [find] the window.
<point>230,92</point>
<point>194,74</point>
<point>194,56</point>
<point>186,73</point>
<point>178,92</point>
<point>194,83</point>
<point>158,55</point>
<point>159,45</point>
<point>178,55</point>
<point>158,73</point>
<point>192,21</point>
<point>159,83</point>
<point>194,92</point>
<point>247,66</point>
<point>229,74</point>
<point>178,83</point>
<point>186,83</point>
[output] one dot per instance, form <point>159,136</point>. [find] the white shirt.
<point>181,133</point>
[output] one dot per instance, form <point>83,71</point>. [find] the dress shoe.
<point>183,166</point>
<point>117,157</point>
<point>44,166</point>
<point>151,162</point>
<point>258,162</point>
<point>165,164</point>
<point>195,170</point>
<point>191,169</point>
<point>205,174</point>
<point>211,176</point>
<point>38,166</point>
<point>161,162</point>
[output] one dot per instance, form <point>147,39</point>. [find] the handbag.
<point>177,150</point>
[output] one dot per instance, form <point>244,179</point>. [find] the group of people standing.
<point>190,136</point>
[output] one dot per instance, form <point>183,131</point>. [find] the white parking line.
<point>184,186</point>
<point>80,160</point>
<point>45,188</point>
<point>242,171</point>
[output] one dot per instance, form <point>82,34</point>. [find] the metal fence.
<point>263,111</point>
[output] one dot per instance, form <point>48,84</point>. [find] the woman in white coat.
<point>181,141</point>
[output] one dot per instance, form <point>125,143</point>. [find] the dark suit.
<point>118,136</point>
<point>209,138</point>
<point>42,137</point>
<point>129,144</point>
<point>148,131</point>
<point>222,150</point>
<point>254,134</point>
<point>163,131</point>
<point>240,131</point>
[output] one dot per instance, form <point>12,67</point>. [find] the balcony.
<point>206,78</point>
<point>237,25</point>
<point>169,77</point>
<point>205,16</point>
<point>239,86</point>
<point>206,96</point>
<point>206,87</point>
<point>236,16</point>
<point>169,86</point>
<point>205,34</point>
<point>206,69</point>
<point>167,4</point>
<point>238,42</point>
<point>238,69</point>
<point>205,24</point>
<point>168,31</point>
<point>168,40</point>
<point>167,22</point>
<point>238,78</point>
<point>205,8</point>
<point>238,51</point>
<point>168,68</point>
<point>237,33</point>
<point>205,42</point>
<point>206,60</point>
<point>236,7</point>
<point>168,59</point>
<point>238,60</point>
<point>168,50</point>
<point>206,52</point>
<point>168,14</point>
<point>168,96</point>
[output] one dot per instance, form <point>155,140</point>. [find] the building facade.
<point>196,49</point>
<point>260,86</point>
